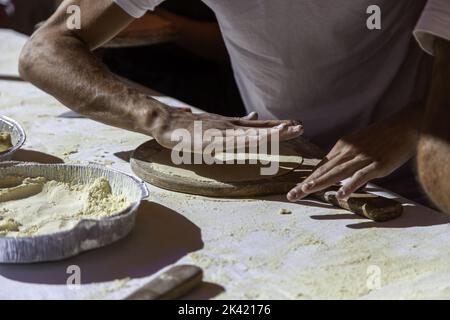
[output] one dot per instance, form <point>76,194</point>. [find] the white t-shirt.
<point>317,61</point>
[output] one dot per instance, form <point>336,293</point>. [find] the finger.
<point>241,137</point>
<point>295,194</point>
<point>236,139</point>
<point>265,123</point>
<point>360,178</point>
<point>327,175</point>
<point>283,131</point>
<point>279,133</point>
<point>233,143</point>
<point>327,164</point>
<point>184,109</point>
<point>255,136</point>
<point>334,176</point>
<point>290,133</point>
<point>251,116</point>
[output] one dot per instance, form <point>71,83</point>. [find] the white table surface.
<point>246,248</point>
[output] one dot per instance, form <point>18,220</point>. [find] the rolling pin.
<point>171,284</point>
<point>365,204</point>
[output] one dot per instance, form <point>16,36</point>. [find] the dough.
<point>288,160</point>
<point>36,206</point>
<point>5,142</point>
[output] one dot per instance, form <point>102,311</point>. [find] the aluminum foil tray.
<point>87,234</point>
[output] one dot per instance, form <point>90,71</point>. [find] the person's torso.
<point>316,60</point>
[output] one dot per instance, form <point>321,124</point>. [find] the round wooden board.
<point>145,156</point>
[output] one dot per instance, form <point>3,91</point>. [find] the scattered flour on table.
<point>339,270</point>
<point>105,291</point>
<point>36,206</point>
<point>255,253</point>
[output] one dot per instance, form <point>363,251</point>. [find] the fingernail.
<point>307,186</point>
<point>292,196</point>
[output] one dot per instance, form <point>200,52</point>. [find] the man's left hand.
<point>373,152</point>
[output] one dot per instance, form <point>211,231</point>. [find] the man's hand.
<point>373,152</point>
<point>246,130</point>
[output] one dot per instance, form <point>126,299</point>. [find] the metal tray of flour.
<point>17,133</point>
<point>87,234</point>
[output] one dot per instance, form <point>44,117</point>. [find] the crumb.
<point>284,211</point>
<point>70,152</point>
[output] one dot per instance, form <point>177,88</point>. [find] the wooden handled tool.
<point>364,204</point>
<point>171,284</point>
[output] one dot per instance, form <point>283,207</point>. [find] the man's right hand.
<point>164,124</point>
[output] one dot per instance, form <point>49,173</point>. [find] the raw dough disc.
<point>288,160</point>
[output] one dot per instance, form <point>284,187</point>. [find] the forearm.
<point>65,68</point>
<point>59,61</point>
<point>434,143</point>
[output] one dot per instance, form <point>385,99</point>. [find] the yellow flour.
<point>35,206</point>
<point>5,142</point>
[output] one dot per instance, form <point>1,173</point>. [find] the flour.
<point>340,271</point>
<point>5,142</point>
<point>35,206</point>
<point>297,257</point>
<point>104,292</point>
